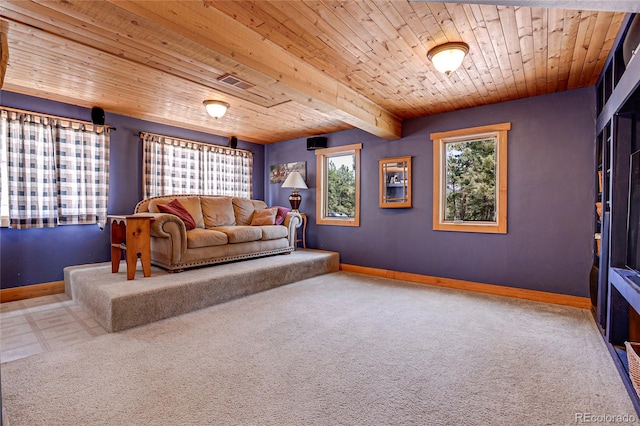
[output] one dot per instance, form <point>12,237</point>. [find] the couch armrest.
<point>166,225</point>
<point>292,221</point>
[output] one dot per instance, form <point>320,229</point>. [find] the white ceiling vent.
<point>235,82</point>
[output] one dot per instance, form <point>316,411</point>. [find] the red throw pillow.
<point>282,213</point>
<point>176,207</point>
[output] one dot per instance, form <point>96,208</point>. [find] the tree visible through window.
<point>470,179</point>
<point>342,186</point>
<point>338,183</point>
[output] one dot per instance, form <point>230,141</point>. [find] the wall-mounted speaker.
<point>233,142</point>
<point>316,142</point>
<point>97,116</point>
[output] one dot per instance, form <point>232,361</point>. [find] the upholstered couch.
<point>224,229</point>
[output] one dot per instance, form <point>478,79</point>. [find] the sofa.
<point>194,230</point>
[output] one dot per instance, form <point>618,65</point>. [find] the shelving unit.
<point>615,291</point>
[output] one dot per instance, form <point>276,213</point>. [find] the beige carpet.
<point>338,349</point>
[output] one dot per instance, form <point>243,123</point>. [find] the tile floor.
<point>41,324</point>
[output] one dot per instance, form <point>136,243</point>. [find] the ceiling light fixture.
<point>216,109</point>
<point>449,56</point>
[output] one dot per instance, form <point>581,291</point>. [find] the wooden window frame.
<point>321,177</point>
<point>439,140</point>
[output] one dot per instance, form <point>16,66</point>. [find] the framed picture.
<point>279,172</point>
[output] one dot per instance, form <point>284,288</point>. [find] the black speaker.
<point>316,142</point>
<point>233,142</point>
<point>97,116</point>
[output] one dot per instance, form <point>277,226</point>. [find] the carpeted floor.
<point>118,304</point>
<point>337,349</point>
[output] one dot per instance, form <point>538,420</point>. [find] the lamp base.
<point>294,199</point>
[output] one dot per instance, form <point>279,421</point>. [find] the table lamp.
<point>295,181</point>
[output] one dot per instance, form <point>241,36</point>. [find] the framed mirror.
<point>395,182</point>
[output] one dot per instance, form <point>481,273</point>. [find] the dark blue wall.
<point>39,255</point>
<point>549,245</point>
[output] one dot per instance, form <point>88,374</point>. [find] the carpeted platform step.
<point>118,304</point>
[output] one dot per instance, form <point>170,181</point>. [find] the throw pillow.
<point>282,213</point>
<point>175,207</point>
<point>264,217</point>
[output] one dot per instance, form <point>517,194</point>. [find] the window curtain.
<point>176,166</point>
<point>57,170</point>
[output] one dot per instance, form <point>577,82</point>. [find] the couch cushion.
<point>259,204</point>
<point>205,238</point>
<point>243,209</point>
<point>264,217</point>
<point>241,234</point>
<point>273,232</point>
<point>191,204</point>
<point>175,207</point>
<point>217,211</point>
<point>153,204</point>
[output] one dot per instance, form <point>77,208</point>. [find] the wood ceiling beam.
<point>4,52</point>
<point>630,6</point>
<point>206,25</point>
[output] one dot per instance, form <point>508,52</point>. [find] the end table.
<point>303,240</point>
<point>131,234</point>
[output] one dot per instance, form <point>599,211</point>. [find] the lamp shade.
<point>216,109</point>
<point>448,57</point>
<point>294,180</point>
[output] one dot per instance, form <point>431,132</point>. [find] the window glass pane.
<point>470,180</point>
<point>341,186</point>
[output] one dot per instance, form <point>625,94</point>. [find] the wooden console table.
<point>131,234</point>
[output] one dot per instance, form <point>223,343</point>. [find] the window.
<point>177,166</point>
<point>53,171</point>
<point>338,182</point>
<point>470,179</point>
<point>4,179</point>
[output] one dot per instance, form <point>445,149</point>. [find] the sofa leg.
<point>176,271</point>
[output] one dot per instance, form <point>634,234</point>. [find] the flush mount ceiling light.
<point>448,57</point>
<point>216,109</point>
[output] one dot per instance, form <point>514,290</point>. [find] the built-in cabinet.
<point>615,283</point>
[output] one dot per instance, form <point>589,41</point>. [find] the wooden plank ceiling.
<point>308,67</point>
